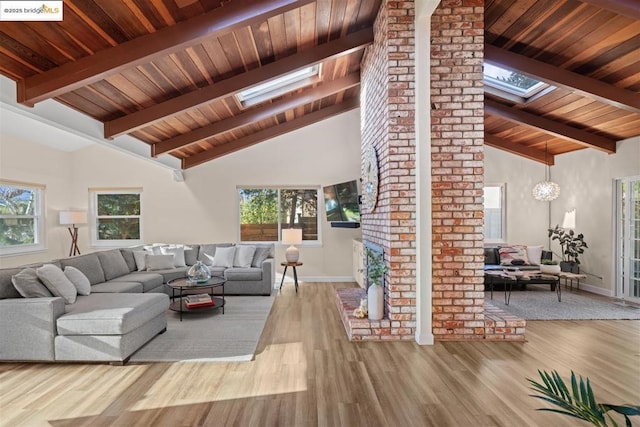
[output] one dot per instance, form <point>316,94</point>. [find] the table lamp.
<point>292,236</point>
<point>73,218</point>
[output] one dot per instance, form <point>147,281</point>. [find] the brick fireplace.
<point>457,175</point>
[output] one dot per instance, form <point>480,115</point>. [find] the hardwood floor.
<point>306,373</point>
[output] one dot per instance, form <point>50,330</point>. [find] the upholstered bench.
<point>109,326</point>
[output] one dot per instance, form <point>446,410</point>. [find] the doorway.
<point>628,239</point>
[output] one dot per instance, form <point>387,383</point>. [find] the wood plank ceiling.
<point>167,71</point>
<point>588,50</point>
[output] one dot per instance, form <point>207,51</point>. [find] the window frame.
<point>39,244</point>
<point>94,217</point>
<point>317,188</point>
<point>503,213</point>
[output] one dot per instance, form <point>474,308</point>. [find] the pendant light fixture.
<point>546,190</point>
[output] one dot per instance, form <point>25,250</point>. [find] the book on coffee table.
<point>199,300</point>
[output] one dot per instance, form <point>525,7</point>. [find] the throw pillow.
<point>191,254</point>
<point>206,254</point>
<point>57,283</point>
<point>534,254</point>
<point>261,254</point>
<point>29,285</point>
<point>513,252</point>
<point>244,255</point>
<point>79,280</point>
<point>139,256</point>
<point>178,255</point>
<point>158,262</point>
<point>224,257</point>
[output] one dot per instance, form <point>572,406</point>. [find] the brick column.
<point>387,106</point>
<point>457,139</point>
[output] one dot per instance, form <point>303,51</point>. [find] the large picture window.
<point>494,214</point>
<point>21,219</point>
<point>117,217</point>
<point>264,212</point>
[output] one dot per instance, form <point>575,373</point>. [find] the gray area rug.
<point>538,303</point>
<point>209,335</point>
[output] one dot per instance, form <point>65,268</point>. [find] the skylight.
<point>279,86</point>
<point>512,82</point>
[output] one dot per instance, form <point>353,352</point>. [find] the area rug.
<point>209,335</point>
<point>538,303</point>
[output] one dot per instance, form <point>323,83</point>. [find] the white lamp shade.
<point>292,236</point>
<point>569,221</point>
<point>73,217</point>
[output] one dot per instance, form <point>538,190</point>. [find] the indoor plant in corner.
<point>375,294</point>
<point>572,245</point>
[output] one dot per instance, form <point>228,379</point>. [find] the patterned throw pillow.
<point>508,254</point>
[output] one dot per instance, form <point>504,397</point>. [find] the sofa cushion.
<point>217,271</point>
<point>509,254</point>
<point>158,262</point>
<point>191,254</point>
<point>491,256</point>
<point>57,283</point>
<point>240,273</point>
<point>178,255</point>
<point>244,255</point>
<point>88,264</point>
<point>211,251</point>
<point>28,284</point>
<point>113,264</point>
<point>7,290</point>
<point>534,254</point>
<point>78,279</point>
<point>261,254</point>
<point>115,287</point>
<point>224,257</point>
<point>111,314</point>
<point>148,280</point>
<point>127,254</point>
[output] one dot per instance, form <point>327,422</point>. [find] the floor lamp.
<point>73,218</point>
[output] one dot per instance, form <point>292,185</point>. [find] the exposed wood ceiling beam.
<point>342,46</point>
<point>559,130</point>
<point>255,115</point>
<point>586,86</point>
<point>142,50</point>
<point>520,150</point>
<point>629,8</point>
<point>269,133</point>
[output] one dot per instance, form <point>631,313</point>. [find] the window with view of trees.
<point>494,213</point>
<point>264,212</point>
<point>117,217</point>
<point>21,222</point>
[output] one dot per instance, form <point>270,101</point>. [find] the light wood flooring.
<point>306,373</point>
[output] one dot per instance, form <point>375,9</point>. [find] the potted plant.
<point>375,294</point>
<point>572,245</point>
<point>549,266</point>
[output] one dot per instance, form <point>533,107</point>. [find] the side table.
<point>295,273</point>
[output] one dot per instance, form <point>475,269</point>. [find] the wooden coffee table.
<point>186,287</point>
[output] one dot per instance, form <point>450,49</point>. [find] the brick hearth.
<point>498,324</point>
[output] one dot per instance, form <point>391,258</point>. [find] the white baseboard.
<point>596,290</point>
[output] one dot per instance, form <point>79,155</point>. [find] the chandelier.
<point>546,190</point>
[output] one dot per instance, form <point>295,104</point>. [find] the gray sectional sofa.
<point>124,309</point>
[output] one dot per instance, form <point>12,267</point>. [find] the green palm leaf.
<point>580,402</point>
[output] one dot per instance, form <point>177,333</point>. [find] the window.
<point>116,217</point>
<point>21,220</point>
<point>510,84</point>
<point>279,86</point>
<point>264,212</point>
<point>494,213</point>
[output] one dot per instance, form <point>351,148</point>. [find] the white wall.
<point>586,179</point>
<point>27,162</point>
<point>204,208</point>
